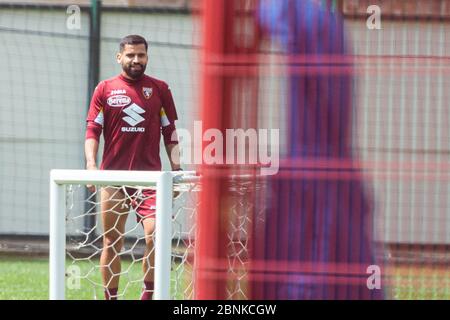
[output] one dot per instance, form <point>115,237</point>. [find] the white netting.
<point>240,214</point>
<point>85,239</point>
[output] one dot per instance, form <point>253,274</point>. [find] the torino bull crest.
<point>147,92</point>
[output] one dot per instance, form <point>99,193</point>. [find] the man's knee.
<point>149,241</point>
<point>149,230</point>
<point>112,241</point>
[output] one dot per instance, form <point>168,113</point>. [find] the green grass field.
<point>420,282</point>
<point>27,278</point>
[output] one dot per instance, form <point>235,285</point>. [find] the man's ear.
<point>118,57</point>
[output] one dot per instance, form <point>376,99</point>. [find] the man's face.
<point>133,59</point>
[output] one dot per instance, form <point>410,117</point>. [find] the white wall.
<point>44,100</point>
<point>402,119</point>
<point>403,122</point>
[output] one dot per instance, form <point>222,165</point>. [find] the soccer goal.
<point>76,232</point>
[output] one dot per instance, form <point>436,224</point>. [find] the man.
<point>132,109</point>
<point>319,218</point>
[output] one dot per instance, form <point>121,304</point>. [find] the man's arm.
<point>90,150</point>
<point>173,152</point>
<point>168,115</point>
<point>94,127</point>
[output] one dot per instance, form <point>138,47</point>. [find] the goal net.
<point>359,207</point>
<point>77,234</point>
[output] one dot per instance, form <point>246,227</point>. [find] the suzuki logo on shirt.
<point>134,115</point>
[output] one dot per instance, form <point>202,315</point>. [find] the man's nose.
<point>136,59</point>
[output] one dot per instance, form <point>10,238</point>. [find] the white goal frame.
<point>162,180</point>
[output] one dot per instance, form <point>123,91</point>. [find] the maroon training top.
<point>132,115</point>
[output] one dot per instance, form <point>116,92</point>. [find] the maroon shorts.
<point>143,201</point>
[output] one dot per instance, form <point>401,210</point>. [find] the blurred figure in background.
<point>319,218</point>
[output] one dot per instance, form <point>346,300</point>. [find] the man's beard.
<point>134,73</point>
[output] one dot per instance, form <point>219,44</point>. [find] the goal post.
<point>161,181</point>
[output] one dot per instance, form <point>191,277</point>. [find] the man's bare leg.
<point>114,216</point>
<point>148,262</point>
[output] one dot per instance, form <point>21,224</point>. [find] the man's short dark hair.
<point>133,39</point>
